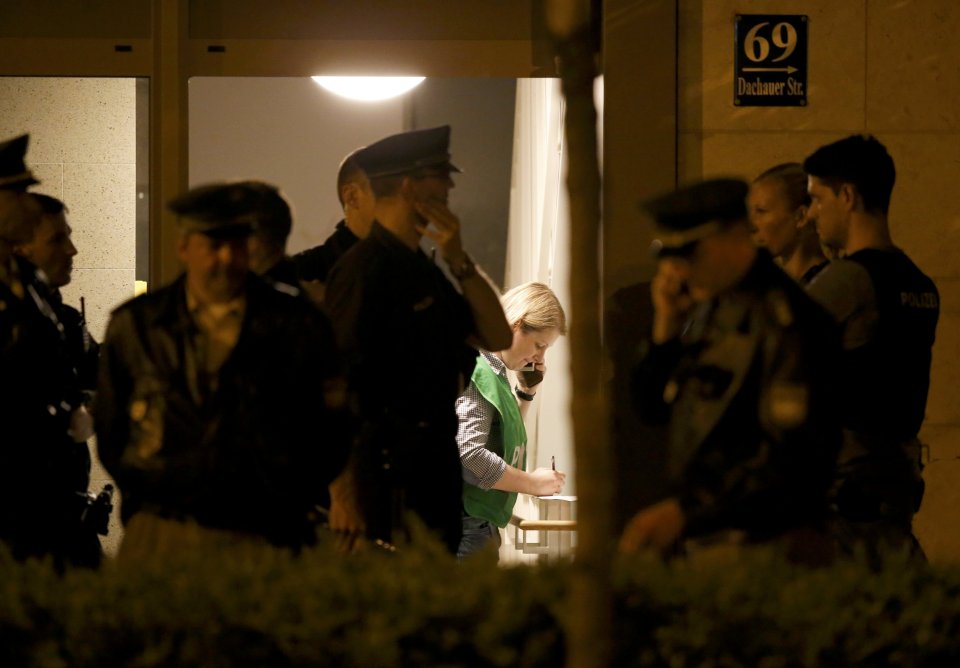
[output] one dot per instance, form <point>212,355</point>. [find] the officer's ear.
<point>24,250</point>
<point>408,188</point>
<point>801,215</point>
<point>349,194</point>
<point>182,240</point>
<point>848,195</point>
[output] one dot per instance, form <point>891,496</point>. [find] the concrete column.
<point>168,132</point>
<point>639,128</point>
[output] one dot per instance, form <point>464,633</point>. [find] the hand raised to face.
<point>442,226</point>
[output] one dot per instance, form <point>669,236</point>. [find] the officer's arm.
<point>312,264</point>
<point>491,330</point>
<point>345,301</point>
<point>336,421</point>
<point>672,306</point>
<point>650,380</point>
<point>360,308</point>
<point>843,288</point>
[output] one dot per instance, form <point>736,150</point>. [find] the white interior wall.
<point>286,131</point>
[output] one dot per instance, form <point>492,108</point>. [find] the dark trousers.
<point>410,469</point>
<point>478,535</point>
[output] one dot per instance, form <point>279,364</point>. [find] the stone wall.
<point>886,67</point>
<point>83,150</point>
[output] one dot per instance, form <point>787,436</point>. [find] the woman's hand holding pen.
<point>546,482</point>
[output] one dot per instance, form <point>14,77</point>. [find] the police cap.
<point>219,210</point>
<point>14,174</point>
<point>274,219</point>
<point>407,152</point>
<point>683,217</point>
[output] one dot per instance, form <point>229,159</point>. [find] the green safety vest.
<point>495,505</point>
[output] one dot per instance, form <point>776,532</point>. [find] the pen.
<point>553,462</point>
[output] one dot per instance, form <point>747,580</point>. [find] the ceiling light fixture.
<point>369,89</point>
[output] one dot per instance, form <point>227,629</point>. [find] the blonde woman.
<point>491,436</point>
<point>779,208</point>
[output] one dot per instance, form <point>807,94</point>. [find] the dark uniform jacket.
<point>39,390</point>
<point>890,310</point>
<point>886,380</point>
<point>402,327</point>
<point>82,349</point>
<point>314,264</point>
<point>253,455</point>
<point>83,355</point>
<point>748,396</point>
<point>640,450</point>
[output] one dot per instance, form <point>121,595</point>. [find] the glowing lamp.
<point>369,89</point>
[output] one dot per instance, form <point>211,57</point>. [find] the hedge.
<point>419,607</point>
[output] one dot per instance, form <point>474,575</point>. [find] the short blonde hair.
<point>534,307</point>
<point>792,179</point>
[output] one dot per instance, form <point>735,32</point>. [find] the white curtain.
<point>537,250</point>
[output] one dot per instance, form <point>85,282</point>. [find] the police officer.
<point>402,327</point>
<point>51,250</point>
<point>39,395</point>
<point>356,198</point>
<point>739,365</point>
<point>215,411</point>
<point>888,310</point>
<point>267,243</point>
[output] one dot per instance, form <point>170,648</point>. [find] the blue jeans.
<point>477,535</point>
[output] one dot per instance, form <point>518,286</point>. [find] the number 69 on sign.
<point>770,60</point>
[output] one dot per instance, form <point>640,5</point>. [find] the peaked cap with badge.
<point>14,174</point>
<point>693,212</point>
<point>221,210</point>
<point>407,152</point>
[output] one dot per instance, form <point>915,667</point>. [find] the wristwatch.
<point>526,396</point>
<point>464,269</point>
